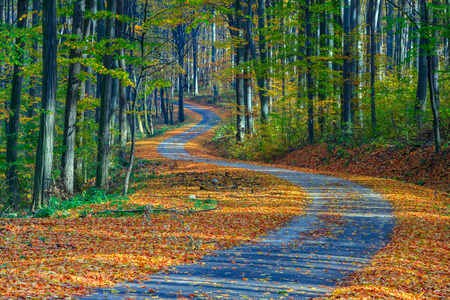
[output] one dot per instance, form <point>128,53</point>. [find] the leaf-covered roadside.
<point>416,263</point>
<point>60,257</point>
<point>415,164</point>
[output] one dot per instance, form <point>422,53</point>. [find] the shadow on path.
<point>304,259</point>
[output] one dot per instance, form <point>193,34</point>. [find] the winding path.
<point>289,263</point>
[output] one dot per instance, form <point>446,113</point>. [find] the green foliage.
<point>200,204</point>
<point>86,198</point>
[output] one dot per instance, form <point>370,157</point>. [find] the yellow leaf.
<point>22,17</point>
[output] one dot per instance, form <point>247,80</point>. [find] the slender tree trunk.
<point>239,58</point>
<point>195,59</point>
<point>322,83</point>
<point>240,119</point>
<point>346,74</point>
<point>155,99</point>
<point>33,90</point>
<point>180,42</point>
<point>100,36</point>
<point>435,65</point>
<point>171,102</point>
<point>147,114</point>
<point>248,95</point>
<point>262,79</point>
<point>72,97</point>
<point>309,78</point>
<point>213,55</point>
<point>390,38</point>
<point>14,118</point>
<point>373,48</point>
<point>44,155</point>
<point>431,83</point>
<point>133,141</point>
<point>164,111</point>
<point>422,80</point>
<point>300,57</point>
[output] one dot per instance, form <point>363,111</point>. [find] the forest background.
<point>83,77</point>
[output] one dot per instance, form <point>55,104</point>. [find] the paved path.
<point>302,260</point>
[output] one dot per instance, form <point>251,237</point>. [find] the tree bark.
<point>44,155</point>
<point>239,59</point>
<point>248,95</point>
<point>148,122</point>
<point>101,180</point>
<point>431,83</point>
<point>164,111</point>
<point>213,55</point>
<point>72,97</point>
<point>179,35</point>
<point>195,61</point>
<point>373,48</point>
<point>322,83</point>
<point>262,78</point>
<point>422,79</point>
<point>346,74</point>
<point>14,118</point>
<point>309,79</point>
<point>33,90</point>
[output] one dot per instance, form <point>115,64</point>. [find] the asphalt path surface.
<point>302,260</point>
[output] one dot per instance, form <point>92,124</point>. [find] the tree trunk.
<point>309,79</point>
<point>44,155</point>
<point>431,83</point>
<point>390,38</point>
<point>33,90</point>
<point>322,83</point>
<point>373,48</point>
<point>262,79</point>
<point>179,34</point>
<point>147,114</point>
<point>100,36</point>
<point>239,59</point>
<point>171,102</point>
<point>133,140</point>
<point>101,180</point>
<point>422,79</point>
<point>195,63</point>
<point>248,95</point>
<point>164,111</point>
<point>72,97</point>
<point>14,118</point>
<point>139,121</point>
<point>155,99</point>
<point>213,55</point>
<point>346,74</point>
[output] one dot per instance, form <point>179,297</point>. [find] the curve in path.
<point>287,263</point>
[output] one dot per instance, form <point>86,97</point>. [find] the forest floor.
<point>61,257</point>
<point>75,251</point>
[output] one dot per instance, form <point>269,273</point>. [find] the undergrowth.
<point>61,208</point>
